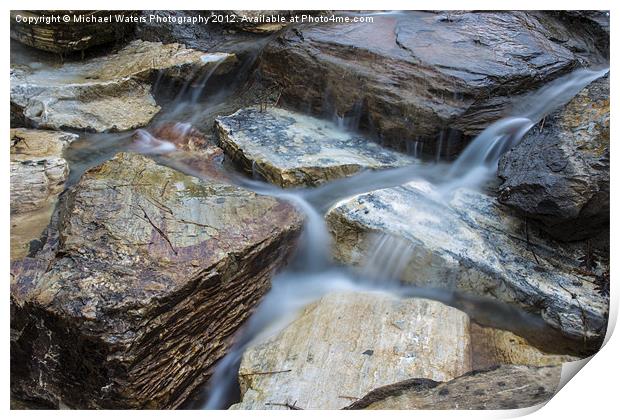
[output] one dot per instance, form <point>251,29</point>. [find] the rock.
<point>559,174</point>
<point>109,93</point>
<point>290,149</point>
<point>469,243</point>
<point>347,344</point>
<point>414,75</point>
<point>256,21</point>
<point>498,388</point>
<point>67,37</point>
<point>213,36</point>
<point>492,347</point>
<point>152,274</point>
<point>38,175</point>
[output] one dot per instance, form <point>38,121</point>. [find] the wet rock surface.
<point>61,37</point>
<point>492,347</point>
<point>471,244</point>
<point>38,175</point>
<point>347,344</point>
<point>110,93</point>
<point>138,292</point>
<point>498,388</point>
<point>290,149</point>
<point>413,74</point>
<point>559,173</point>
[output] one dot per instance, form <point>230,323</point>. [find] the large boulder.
<point>410,75</point>
<point>110,93</point>
<point>347,344</point>
<point>559,173</point>
<point>151,272</point>
<point>470,244</point>
<point>38,175</point>
<point>289,149</point>
<point>497,388</point>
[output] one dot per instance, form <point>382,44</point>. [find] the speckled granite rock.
<point>347,344</point>
<point>559,173</point>
<point>290,149</point>
<point>38,175</point>
<point>152,273</point>
<point>492,347</point>
<point>109,93</point>
<point>413,74</point>
<point>473,245</point>
<point>498,388</point>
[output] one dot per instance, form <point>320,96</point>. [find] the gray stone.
<point>469,243</point>
<point>289,149</point>
<point>411,75</point>
<point>559,173</point>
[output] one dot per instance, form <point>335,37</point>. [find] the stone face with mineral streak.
<point>154,271</point>
<point>497,388</point>
<point>414,74</point>
<point>289,149</point>
<point>38,175</point>
<point>347,344</point>
<point>108,93</point>
<point>559,173</point>
<point>469,243</point>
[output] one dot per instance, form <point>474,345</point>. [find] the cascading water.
<point>312,274</point>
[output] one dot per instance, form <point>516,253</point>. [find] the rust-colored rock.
<point>152,273</point>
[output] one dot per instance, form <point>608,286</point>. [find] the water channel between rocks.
<point>315,270</point>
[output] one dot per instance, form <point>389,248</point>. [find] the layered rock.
<point>38,175</point>
<point>411,75</point>
<point>289,149</point>
<point>559,173</point>
<point>151,273</point>
<point>347,344</point>
<point>492,347</point>
<point>67,37</point>
<point>498,388</point>
<point>108,93</point>
<point>469,243</point>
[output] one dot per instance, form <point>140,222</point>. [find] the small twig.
<point>278,100</point>
<point>542,124</point>
<point>348,397</point>
<point>265,373</point>
<point>287,405</point>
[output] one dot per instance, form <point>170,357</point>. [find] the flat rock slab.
<point>109,93</point>
<point>413,74</point>
<point>498,388</point>
<point>38,175</point>
<point>152,273</point>
<point>346,344</point>
<point>290,149</point>
<point>471,244</point>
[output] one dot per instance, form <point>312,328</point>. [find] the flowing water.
<point>312,273</point>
